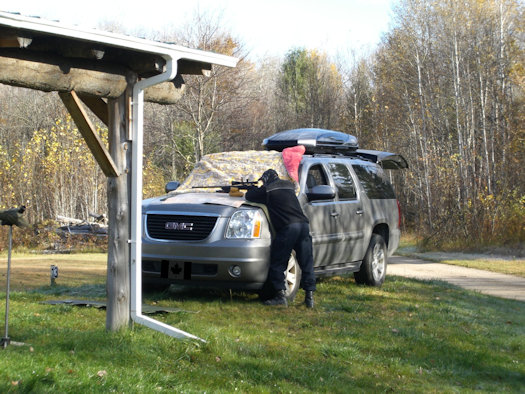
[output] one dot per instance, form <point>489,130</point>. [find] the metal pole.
<point>5,340</point>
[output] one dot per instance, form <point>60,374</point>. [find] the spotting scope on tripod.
<point>10,217</point>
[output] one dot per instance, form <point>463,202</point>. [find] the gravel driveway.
<point>491,283</point>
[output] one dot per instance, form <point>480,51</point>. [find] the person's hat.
<point>269,176</point>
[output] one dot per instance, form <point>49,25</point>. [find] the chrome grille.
<point>179,227</point>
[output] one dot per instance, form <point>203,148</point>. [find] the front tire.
<point>292,281</point>
<point>292,278</point>
<point>373,267</point>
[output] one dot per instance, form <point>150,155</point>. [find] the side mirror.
<point>171,185</point>
<point>321,192</point>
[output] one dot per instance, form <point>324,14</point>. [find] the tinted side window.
<point>316,176</point>
<point>343,181</point>
<point>373,181</point>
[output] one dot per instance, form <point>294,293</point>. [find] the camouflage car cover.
<point>220,169</point>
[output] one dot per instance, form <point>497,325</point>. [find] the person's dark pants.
<point>295,236</point>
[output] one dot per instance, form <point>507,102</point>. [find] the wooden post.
<point>118,272</point>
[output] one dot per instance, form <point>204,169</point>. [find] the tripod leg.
<point>5,340</point>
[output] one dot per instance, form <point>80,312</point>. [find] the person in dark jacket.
<point>292,232</point>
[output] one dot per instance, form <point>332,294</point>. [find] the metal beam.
<point>93,141</point>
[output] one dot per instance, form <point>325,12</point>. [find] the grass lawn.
<point>29,270</point>
<point>408,336</point>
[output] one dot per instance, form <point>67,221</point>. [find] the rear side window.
<point>343,181</point>
<point>374,182</point>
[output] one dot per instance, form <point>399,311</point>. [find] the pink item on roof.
<point>292,158</point>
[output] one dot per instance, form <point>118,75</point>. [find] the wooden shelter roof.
<point>50,47</point>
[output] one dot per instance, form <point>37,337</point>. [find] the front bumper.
<point>213,262</point>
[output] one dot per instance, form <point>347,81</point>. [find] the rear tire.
<point>373,267</point>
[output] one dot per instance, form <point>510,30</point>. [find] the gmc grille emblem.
<point>178,226</point>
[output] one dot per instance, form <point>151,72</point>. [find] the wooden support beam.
<point>47,73</point>
<point>188,67</point>
<point>12,41</point>
<point>95,144</point>
<point>98,106</point>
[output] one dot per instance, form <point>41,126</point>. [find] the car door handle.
<point>359,212</point>
<point>335,215</point>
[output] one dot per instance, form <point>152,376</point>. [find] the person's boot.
<point>278,299</point>
<point>309,298</point>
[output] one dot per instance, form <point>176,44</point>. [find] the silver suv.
<point>204,233</point>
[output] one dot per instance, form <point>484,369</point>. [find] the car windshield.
<point>220,169</point>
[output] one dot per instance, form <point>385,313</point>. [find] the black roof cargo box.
<point>314,140</point>
<point>332,142</point>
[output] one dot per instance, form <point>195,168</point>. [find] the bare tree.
<point>444,74</point>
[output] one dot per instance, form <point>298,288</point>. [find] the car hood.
<point>218,203</point>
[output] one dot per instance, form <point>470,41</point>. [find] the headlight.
<point>244,224</point>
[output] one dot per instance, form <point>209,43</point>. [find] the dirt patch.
<point>492,253</point>
<point>440,256</point>
<point>504,264</point>
<point>492,283</point>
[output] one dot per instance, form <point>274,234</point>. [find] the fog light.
<point>235,271</point>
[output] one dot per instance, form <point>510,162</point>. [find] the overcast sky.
<point>266,27</point>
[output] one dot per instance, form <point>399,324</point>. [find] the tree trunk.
<point>459,129</point>
<point>118,273</point>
